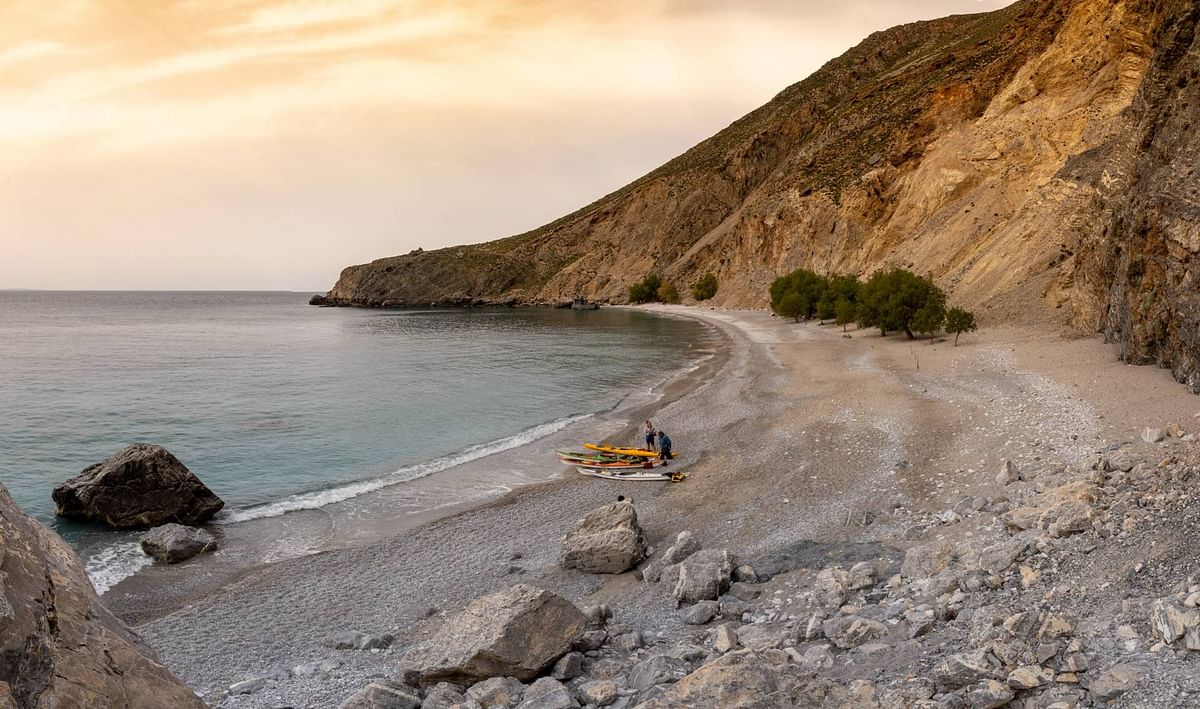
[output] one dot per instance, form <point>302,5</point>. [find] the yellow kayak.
<point>638,452</point>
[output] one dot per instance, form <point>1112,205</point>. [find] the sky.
<point>266,144</point>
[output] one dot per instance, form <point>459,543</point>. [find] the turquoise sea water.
<point>280,406</point>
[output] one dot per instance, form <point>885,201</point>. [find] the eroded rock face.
<point>608,540</point>
<point>173,543</point>
<point>59,647</point>
<point>517,632</point>
<point>142,485</point>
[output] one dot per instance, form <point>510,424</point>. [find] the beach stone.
<point>548,693</point>
<point>141,485</point>
<point>173,543</point>
<point>1114,682</point>
<point>701,613</point>
<point>925,560</point>
<point>497,692</point>
<point>657,669</point>
<point>248,686</point>
<point>383,694</point>
<point>312,669</point>
<point>738,680</point>
<point>517,632</point>
<point>608,540</point>
<point>1153,435</point>
<point>59,645</point>
<point>703,576</point>
<point>1174,430</point>
<point>601,692</point>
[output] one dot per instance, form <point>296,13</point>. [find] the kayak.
<point>624,465</point>
<point>576,457</point>
<point>635,475</point>
<point>635,452</point>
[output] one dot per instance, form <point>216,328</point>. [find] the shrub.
<point>959,321</point>
<point>845,312</point>
<point>891,299</point>
<point>792,305</point>
<point>646,291</point>
<point>667,293</point>
<point>705,287</point>
<point>929,318</point>
<point>807,285</point>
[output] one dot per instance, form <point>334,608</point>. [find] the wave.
<point>110,565</point>
<point>321,498</point>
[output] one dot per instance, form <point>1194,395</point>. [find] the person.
<point>650,435</point>
<point>664,445</point>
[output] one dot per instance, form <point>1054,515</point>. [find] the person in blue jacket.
<point>664,445</point>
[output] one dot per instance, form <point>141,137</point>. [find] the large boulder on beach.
<point>517,632</point>
<point>140,486</point>
<point>608,540</point>
<point>173,543</point>
<point>60,647</point>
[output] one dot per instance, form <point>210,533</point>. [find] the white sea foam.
<point>320,498</point>
<point>107,567</point>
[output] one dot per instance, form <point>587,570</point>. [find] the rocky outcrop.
<point>608,540</point>
<point>1036,161</point>
<point>517,633</point>
<point>140,486</point>
<point>173,543</point>
<point>59,646</point>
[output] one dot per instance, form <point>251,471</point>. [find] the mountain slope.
<point>1029,159</point>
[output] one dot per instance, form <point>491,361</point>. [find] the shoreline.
<point>154,591</point>
<point>812,449</point>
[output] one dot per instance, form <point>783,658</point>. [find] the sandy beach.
<point>803,446</point>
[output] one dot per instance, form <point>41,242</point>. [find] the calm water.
<point>279,406</point>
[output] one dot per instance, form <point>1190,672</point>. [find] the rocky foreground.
<point>1003,601</point>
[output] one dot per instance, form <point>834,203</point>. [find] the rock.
<point>608,540</point>
<point>657,669</point>
<point>569,666</point>
<point>1153,435</point>
<point>1172,620</point>
<point>1114,682</point>
<point>443,695</point>
<point>1030,677</point>
<point>701,613</point>
<point>997,558</point>
<point>345,640</point>
<point>173,543</point>
<point>817,658</point>
<point>1174,430</point>
<point>685,545</point>
<point>497,692</point>
<point>725,639</point>
<point>383,694</point>
<point>140,486</point>
<point>1009,474</point>
<point>851,631</point>
<point>963,669</point>
<point>548,693</point>
<point>862,575</point>
<point>829,589</point>
<point>598,615</point>
<point>733,608</point>
<point>745,574</point>
<point>516,632</point>
<point>313,669</point>
<point>743,591</point>
<point>599,693</point>
<point>628,642</point>
<point>738,680</point>
<point>703,576</point>
<point>59,645</point>
<point>1067,518</point>
<point>903,694</point>
<point>925,560</point>
<point>764,636</point>
<point>1119,462</point>
<point>1022,518</point>
<point>591,640</point>
<point>989,694</point>
<point>248,686</point>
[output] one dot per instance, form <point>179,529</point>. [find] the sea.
<point>282,408</point>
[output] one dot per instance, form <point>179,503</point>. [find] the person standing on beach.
<point>650,435</point>
<point>664,445</point>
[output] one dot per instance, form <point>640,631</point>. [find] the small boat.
<point>611,450</point>
<point>572,457</point>
<point>625,465</point>
<point>582,303</point>
<point>634,475</point>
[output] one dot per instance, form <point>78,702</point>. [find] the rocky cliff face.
<point>59,647</point>
<point>1035,161</point>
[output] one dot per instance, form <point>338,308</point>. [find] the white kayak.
<point>640,474</point>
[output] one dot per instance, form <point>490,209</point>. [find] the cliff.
<point>1036,161</point>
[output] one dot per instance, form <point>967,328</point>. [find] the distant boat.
<point>582,303</point>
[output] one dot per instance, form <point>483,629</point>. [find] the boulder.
<point>851,631</point>
<point>548,693</point>
<point>517,632</point>
<point>738,680</point>
<point>497,692</point>
<point>963,669</point>
<point>600,692</point>
<point>608,540</point>
<point>443,695</point>
<point>765,636</point>
<point>725,639</point>
<point>657,669</point>
<point>173,543</point>
<point>1172,620</point>
<point>989,694</point>
<point>925,560</point>
<point>997,558</point>
<point>829,590</point>
<point>1030,677</point>
<point>383,694</point>
<point>60,646</point>
<point>703,576</point>
<point>1114,682</point>
<point>684,546</point>
<point>140,486</point>
<point>568,667</point>
<point>701,613</point>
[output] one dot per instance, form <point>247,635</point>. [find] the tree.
<point>667,293</point>
<point>792,305</point>
<point>845,312</point>
<point>809,286</point>
<point>930,316</point>
<point>646,291</point>
<point>827,305</point>
<point>705,287</point>
<point>891,299</point>
<point>959,321</point>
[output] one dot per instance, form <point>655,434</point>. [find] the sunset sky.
<point>253,144</point>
